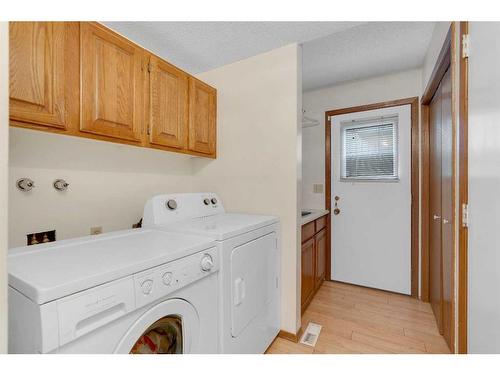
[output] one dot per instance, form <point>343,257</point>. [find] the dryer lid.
<point>222,226</point>
<point>50,271</point>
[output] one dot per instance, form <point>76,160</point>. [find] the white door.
<point>371,236</point>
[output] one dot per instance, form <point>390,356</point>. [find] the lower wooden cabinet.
<point>313,259</point>
<point>320,244</point>
<point>308,268</point>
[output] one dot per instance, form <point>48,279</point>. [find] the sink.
<point>305,213</point>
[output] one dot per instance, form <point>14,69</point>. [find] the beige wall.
<point>109,183</point>
<point>4,165</point>
<point>258,164</point>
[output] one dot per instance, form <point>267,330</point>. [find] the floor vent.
<point>311,334</point>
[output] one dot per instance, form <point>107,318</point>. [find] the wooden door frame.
<point>459,72</point>
<point>415,187</point>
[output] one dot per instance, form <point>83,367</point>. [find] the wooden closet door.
<point>44,74</point>
<point>111,84</point>
<point>447,208</point>
<point>168,105</point>
<point>435,256</point>
<point>202,117</point>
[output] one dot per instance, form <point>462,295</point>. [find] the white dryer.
<point>250,258</point>
<point>135,291</point>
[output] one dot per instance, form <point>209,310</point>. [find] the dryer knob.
<point>171,204</point>
<point>206,201</point>
<point>147,286</point>
<point>214,201</point>
<point>207,263</point>
<point>167,278</point>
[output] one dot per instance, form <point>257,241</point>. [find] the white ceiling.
<point>333,52</point>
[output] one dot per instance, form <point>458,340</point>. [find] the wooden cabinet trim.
<point>308,230</point>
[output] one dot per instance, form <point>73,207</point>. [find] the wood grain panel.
<point>308,268</point>
<point>111,84</point>
<point>43,74</point>
<point>435,215</point>
<point>202,117</point>
<point>168,111</point>
<point>447,204</point>
<point>321,246</point>
<point>308,231</point>
<point>320,223</point>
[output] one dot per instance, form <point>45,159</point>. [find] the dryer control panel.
<point>160,281</point>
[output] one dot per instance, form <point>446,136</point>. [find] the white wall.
<point>484,185</point>
<point>258,164</point>
<point>435,45</point>
<point>109,183</point>
<point>373,90</point>
<point>4,166</point>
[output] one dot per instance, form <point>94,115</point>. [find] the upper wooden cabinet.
<point>83,79</point>
<point>202,117</point>
<point>111,84</point>
<point>44,74</point>
<point>168,104</point>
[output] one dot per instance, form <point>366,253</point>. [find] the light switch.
<point>318,188</point>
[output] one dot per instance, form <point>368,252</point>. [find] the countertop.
<point>315,214</point>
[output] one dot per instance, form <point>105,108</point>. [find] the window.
<point>369,150</point>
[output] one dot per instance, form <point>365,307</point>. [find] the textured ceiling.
<point>333,52</point>
<point>200,46</point>
<point>368,50</point>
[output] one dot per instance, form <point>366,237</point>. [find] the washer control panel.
<point>160,281</point>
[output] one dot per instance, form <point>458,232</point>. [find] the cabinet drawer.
<point>307,231</point>
<point>320,223</point>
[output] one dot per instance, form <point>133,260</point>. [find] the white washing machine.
<point>135,291</point>
<point>250,258</point>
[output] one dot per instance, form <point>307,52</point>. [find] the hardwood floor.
<point>362,320</point>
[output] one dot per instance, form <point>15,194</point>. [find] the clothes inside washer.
<point>162,337</point>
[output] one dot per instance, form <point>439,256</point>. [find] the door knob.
<point>436,217</point>
<point>336,211</point>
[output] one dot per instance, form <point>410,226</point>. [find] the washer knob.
<point>167,278</point>
<point>147,286</point>
<point>171,204</point>
<point>207,262</point>
<point>214,201</point>
<point>206,201</point>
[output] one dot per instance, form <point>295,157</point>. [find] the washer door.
<point>170,327</point>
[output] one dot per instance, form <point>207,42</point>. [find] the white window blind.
<point>369,150</point>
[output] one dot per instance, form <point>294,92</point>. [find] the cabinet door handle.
<point>436,217</point>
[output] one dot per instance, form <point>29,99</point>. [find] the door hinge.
<point>465,215</point>
<point>465,46</point>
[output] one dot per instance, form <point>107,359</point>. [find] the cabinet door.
<point>111,84</point>
<point>202,117</point>
<point>320,243</point>
<point>308,266</point>
<point>168,105</point>
<point>44,74</point>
